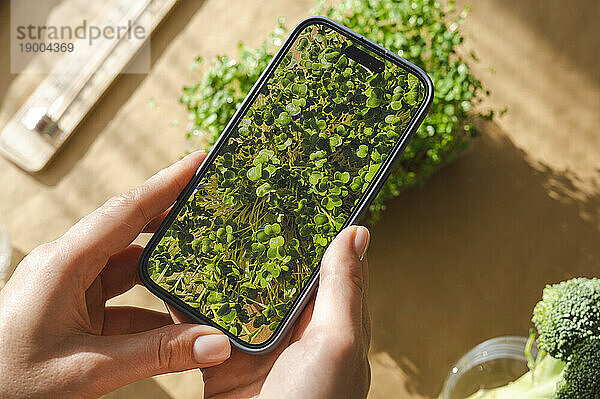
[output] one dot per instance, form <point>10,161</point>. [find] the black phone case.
<point>369,195</point>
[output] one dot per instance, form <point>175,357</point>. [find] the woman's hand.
<point>325,354</point>
<point>57,338</point>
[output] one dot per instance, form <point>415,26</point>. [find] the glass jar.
<point>491,364</point>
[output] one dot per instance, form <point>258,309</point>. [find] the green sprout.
<point>245,243</point>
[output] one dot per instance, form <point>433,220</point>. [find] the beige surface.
<point>459,261</point>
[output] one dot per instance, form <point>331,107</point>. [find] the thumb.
<point>172,348</point>
<point>342,280</point>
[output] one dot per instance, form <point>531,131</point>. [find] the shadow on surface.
<point>147,388</point>
<point>17,257</point>
<point>118,94</point>
<point>7,77</point>
<point>571,28</point>
<point>466,259</point>
<point>38,17</point>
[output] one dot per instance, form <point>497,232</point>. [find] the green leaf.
<point>272,253</point>
<point>302,44</point>
<point>299,89</point>
<point>413,81</point>
<point>284,118</point>
<point>273,326</point>
<point>372,172</point>
<point>276,241</point>
<point>396,105</point>
<point>214,297</point>
<point>261,236</point>
<point>335,141</point>
<point>362,151</point>
<point>264,189</point>
<point>258,247</point>
<point>268,229</point>
<point>343,177</point>
<point>223,309</point>
<point>411,97</point>
<point>195,305</point>
<point>320,219</point>
<point>229,317</point>
<point>314,178</point>
<point>373,102</point>
<point>317,155</point>
<point>254,173</point>
<point>276,228</point>
<point>292,109</point>
<point>320,163</point>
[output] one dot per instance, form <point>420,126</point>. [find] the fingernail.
<point>194,153</point>
<point>361,241</point>
<point>211,348</point>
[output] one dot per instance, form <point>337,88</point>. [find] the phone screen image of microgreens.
<point>253,231</point>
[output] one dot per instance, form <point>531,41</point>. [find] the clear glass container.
<point>491,364</point>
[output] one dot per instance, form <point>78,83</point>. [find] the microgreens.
<point>284,184</point>
<point>424,32</point>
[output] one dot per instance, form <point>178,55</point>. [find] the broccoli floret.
<point>581,377</point>
<point>539,383</point>
<point>568,366</point>
<point>567,316</point>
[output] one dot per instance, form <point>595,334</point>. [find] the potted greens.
<point>422,32</point>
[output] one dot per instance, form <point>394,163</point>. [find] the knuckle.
<point>355,279</point>
<point>42,251</point>
<point>344,273</point>
<point>168,352</point>
<point>348,344</point>
<point>344,346</point>
<point>164,351</point>
<point>126,199</point>
<point>347,349</point>
<point>176,180</point>
<point>347,353</point>
<point>130,200</point>
<point>118,201</point>
<point>47,253</point>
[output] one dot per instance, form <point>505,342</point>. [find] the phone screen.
<point>242,248</point>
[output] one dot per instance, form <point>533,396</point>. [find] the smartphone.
<point>302,157</point>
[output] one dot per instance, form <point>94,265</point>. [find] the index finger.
<point>112,227</point>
